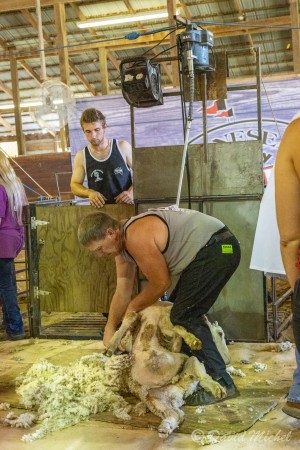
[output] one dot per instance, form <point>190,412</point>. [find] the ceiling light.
<point>122,19</point>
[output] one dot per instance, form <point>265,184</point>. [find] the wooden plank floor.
<point>273,431</point>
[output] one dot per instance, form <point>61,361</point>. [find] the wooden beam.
<point>145,41</point>
<point>294,12</point>
<point>61,42</point>
<point>3,44</point>
<point>42,124</point>
<point>256,27</point>
<point>6,89</point>
<point>82,78</point>
<point>129,6</point>
<point>82,17</point>
<point>16,100</point>
<point>113,60</point>
<point>7,125</point>
<point>17,5</point>
<point>171,5</point>
<point>30,71</point>
<point>240,10</point>
<point>33,22</point>
<point>165,66</point>
<point>28,137</point>
<point>103,71</point>
<point>60,25</point>
<point>185,11</point>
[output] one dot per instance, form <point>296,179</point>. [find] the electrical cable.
<point>129,36</point>
<point>149,50</point>
<point>245,25</point>
<point>188,123</point>
<point>135,35</point>
<point>273,114</point>
<point>30,189</point>
<point>26,173</point>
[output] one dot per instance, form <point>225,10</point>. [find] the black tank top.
<point>110,176</point>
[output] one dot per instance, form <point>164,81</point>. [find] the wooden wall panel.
<point>76,280</point>
<point>42,168</point>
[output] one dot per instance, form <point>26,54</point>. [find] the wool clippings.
<point>259,367</point>
<point>25,420</point>
<point>235,372</point>
<point>66,395</point>
<point>4,406</point>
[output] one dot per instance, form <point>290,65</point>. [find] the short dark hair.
<point>91,115</point>
<point>94,226</point>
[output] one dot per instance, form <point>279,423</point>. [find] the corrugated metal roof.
<point>228,20</point>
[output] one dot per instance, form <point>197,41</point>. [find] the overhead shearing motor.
<point>198,42</point>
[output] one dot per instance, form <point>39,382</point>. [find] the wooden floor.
<point>274,430</point>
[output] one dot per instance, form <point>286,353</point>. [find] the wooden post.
<point>103,71</point>
<point>61,41</point>
<point>295,22</point>
<point>59,12</point>
<point>16,100</point>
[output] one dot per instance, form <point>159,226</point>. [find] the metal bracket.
<point>38,292</point>
<point>35,222</point>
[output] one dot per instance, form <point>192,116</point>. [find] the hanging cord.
<point>115,81</point>
<point>188,123</point>
<point>32,190</point>
<point>26,173</point>
<point>269,103</point>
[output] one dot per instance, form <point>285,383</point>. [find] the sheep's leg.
<point>128,321</point>
<point>218,336</point>
<point>159,403</point>
<point>195,370</point>
<point>192,341</point>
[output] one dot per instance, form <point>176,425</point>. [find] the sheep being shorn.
<point>160,375</point>
<point>154,371</point>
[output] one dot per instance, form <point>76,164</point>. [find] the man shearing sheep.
<point>166,243</point>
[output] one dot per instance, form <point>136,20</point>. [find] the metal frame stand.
<point>278,326</point>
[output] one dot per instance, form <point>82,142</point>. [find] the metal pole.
<point>204,119</point>
<point>258,82</point>
<point>188,122</point>
<point>186,142</point>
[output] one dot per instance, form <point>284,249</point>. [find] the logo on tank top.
<point>97,174</point>
<point>118,171</point>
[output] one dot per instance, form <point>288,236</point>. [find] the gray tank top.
<point>188,232</point>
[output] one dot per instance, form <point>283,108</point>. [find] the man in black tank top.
<point>106,163</point>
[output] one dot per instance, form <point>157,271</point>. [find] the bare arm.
<point>126,196</point>
<point>97,200</point>
<point>125,280</point>
<point>287,190</point>
<point>146,238</point>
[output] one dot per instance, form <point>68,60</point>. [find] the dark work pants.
<point>296,314</point>
<point>195,293</point>
<point>12,318</point>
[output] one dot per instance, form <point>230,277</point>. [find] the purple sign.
<point>230,120</point>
